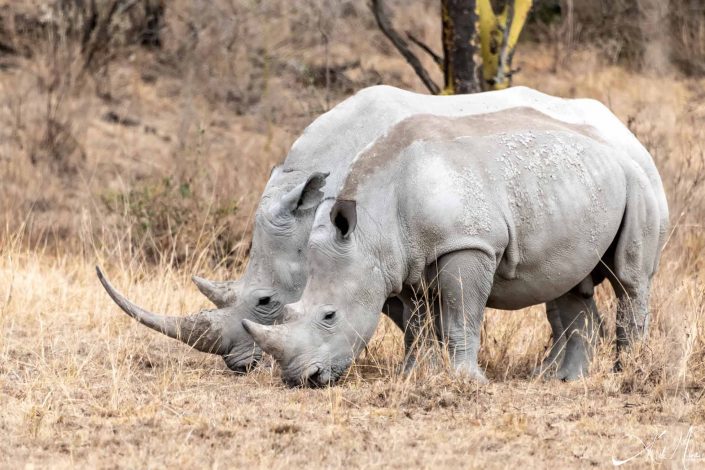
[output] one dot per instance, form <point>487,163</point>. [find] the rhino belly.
<point>560,232</point>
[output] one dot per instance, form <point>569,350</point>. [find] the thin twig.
<point>384,24</point>
<point>436,58</point>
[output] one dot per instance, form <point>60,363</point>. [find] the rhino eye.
<point>329,316</point>
<point>263,301</point>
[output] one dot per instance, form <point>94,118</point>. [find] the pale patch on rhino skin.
<point>276,273</point>
<point>439,128</point>
<point>558,208</point>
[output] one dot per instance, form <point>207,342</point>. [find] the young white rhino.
<point>505,209</point>
<point>314,168</point>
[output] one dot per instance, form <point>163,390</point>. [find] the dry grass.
<point>82,385</point>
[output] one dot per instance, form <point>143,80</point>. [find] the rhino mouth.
<point>315,377</point>
<point>320,379</point>
<point>241,366</point>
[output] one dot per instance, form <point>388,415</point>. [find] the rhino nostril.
<point>314,380</point>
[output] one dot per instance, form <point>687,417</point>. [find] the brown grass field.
<point>82,385</point>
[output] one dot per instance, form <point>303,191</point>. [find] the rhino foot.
<point>547,369</point>
<point>581,319</point>
<point>550,365</point>
<point>408,366</point>
<point>412,363</point>
<point>472,372</point>
<point>568,374</point>
<point>576,363</point>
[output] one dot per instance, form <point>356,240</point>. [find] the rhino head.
<point>275,275</point>
<point>322,333</point>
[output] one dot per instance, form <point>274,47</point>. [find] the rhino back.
<point>336,138</point>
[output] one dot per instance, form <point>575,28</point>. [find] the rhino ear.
<point>343,214</point>
<point>307,195</point>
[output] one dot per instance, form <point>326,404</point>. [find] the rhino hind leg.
<point>569,317</point>
<point>632,312</point>
<point>464,280</point>
<point>581,322</point>
<point>637,248</point>
<point>556,352</point>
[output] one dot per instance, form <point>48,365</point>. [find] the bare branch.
<point>384,24</point>
<point>436,58</point>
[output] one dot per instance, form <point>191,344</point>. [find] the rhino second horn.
<point>270,338</point>
<point>221,293</point>
<point>202,331</point>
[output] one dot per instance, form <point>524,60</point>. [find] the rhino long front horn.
<point>202,331</point>
<point>221,293</point>
<point>270,338</point>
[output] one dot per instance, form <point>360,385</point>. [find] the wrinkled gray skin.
<point>506,210</point>
<point>314,169</point>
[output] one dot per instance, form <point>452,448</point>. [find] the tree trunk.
<point>459,20</point>
<point>154,21</point>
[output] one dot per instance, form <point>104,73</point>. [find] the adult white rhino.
<point>314,169</point>
<point>504,209</point>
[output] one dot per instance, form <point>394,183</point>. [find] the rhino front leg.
<point>394,309</point>
<point>464,282</point>
<point>400,310</point>
<point>558,341</point>
<point>409,315</point>
<point>581,321</point>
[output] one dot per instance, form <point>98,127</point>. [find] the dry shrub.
<point>69,45</point>
<point>687,41</point>
<point>170,218</point>
<point>650,34</point>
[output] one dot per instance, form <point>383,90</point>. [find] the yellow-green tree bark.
<point>499,34</point>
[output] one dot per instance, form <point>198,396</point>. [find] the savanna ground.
<point>150,163</point>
